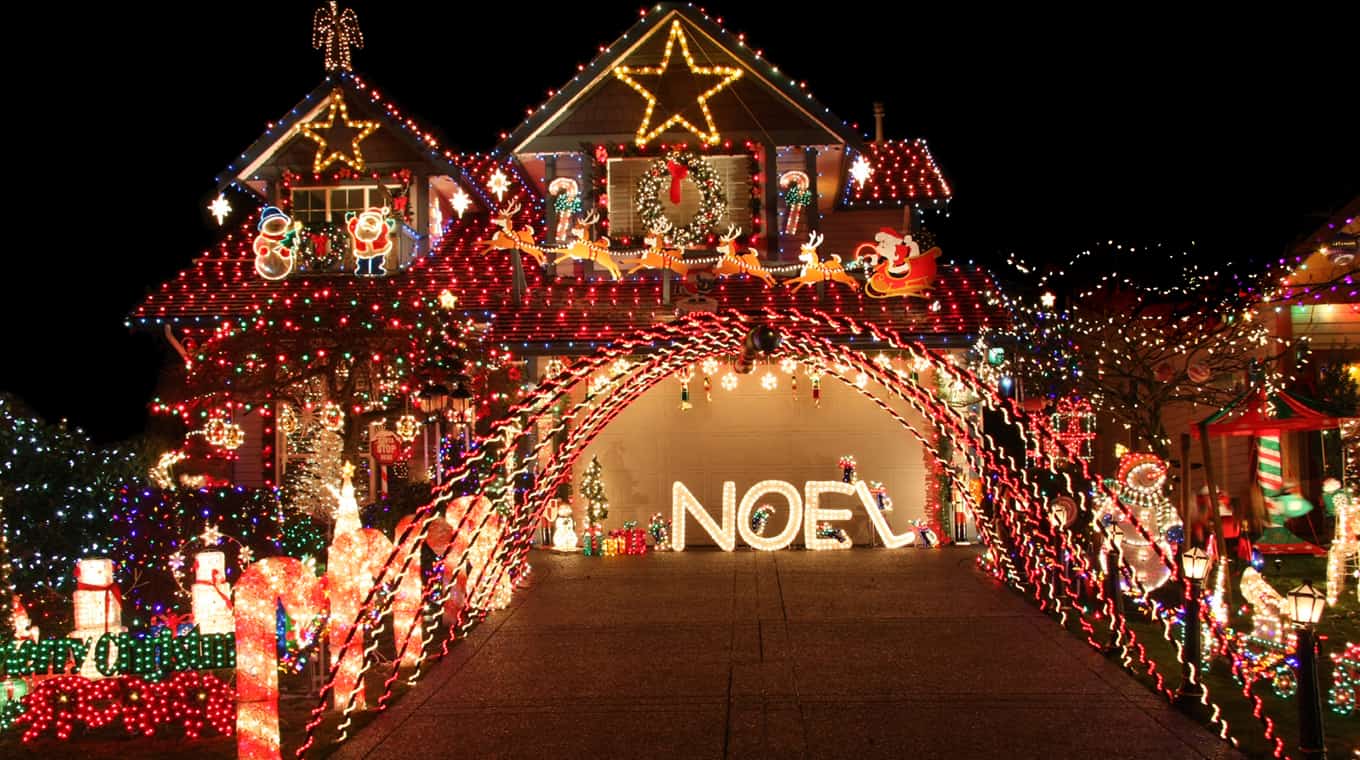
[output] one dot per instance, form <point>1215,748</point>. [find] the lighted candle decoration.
<point>262,587</point>
<point>354,561</point>
<point>98,608</point>
<point>210,596</point>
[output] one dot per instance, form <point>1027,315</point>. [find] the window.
<point>624,173</point>
<point>312,205</point>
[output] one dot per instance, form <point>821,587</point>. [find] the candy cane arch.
<point>261,588</point>
<point>1029,548</point>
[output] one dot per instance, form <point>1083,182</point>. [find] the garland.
<point>668,171</point>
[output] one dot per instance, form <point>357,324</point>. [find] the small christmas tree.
<point>592,488</point>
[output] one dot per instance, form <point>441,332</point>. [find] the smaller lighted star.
<point>1048,299</point>
<point>210,535</point>
<point>247,556</point>
<point>498,184</point>
<point>447,300</point>
<point>220,208</point>
<point>729,382</point>
<point>176,561</point>
<point>347,470</point>
<point>788,365</point>
<point>769,382</point>
<point>709,367</point>
<point>861,380</point>
<point>861,170</point>
<point>461,202</point>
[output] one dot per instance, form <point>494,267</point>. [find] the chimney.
<point>878,122</point>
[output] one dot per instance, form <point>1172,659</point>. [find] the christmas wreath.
<point>672,169</point>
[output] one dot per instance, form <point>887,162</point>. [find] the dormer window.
<point>314,205</point>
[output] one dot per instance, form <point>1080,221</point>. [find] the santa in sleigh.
<point>899,267</point>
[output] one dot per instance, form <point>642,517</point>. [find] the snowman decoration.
<point>899,266</point>
<point>1139,489</point>
<point>564,529</point>
<point>211,594</point>
<point>98,610</point>
<point>275,244</point>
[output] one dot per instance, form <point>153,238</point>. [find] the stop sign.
<point>385,447</point>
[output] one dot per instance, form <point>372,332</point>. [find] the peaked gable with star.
<point>677,76</point>
<point>343,130</point>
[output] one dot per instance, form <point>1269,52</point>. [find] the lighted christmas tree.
<point>592,489</point>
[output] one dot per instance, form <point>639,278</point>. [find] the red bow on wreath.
<point>678,172</point>
<point>320,243</point>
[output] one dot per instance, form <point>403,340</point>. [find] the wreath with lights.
<point>668,171</point>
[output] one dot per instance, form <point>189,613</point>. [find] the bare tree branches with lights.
<point>1171,335</point>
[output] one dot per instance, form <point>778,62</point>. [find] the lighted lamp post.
<point>1195,563</point>
<point>1305,605</point>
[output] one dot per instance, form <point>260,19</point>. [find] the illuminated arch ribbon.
<point>1016,521</point>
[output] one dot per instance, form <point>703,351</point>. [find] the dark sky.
<point>1055,128</point>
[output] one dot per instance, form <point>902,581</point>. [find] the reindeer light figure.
<point>815,270</point>
<point>507,238</point>
<point>658,256</point>
<point>585,249</point>
<point>733,263</point>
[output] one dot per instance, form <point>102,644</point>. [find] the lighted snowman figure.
<point>211,594</point>
<point>1139,487</point>
<point>98,609</point>
<point>564,529</point>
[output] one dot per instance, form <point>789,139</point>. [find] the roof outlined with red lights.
<point>557,314</point>
<point>904,172</point>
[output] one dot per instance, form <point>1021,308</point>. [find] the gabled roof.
<point>221,284</point>
<point>563,314</point>
<point>620,112</point>
<point>360,95</point>
<point>904,172</point>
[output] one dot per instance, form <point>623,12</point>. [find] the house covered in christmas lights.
<point>381,290</point>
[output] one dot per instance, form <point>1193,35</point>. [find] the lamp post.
<point>1195,564</point>
<point>1305,605</point>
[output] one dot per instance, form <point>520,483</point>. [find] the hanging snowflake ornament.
<point>499,184</point>
<point>769,382</point>
<point>220,208</point>
<point>709,366</point>
<point>729,381</point>
<point>861,170</point>
<point>788,365</point>
<point>175,561</point>
<point>461,202</point>
<point>211,535</point>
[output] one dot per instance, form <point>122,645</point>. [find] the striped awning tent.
<point>1268,414</point>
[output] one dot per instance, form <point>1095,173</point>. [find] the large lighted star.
<point>323,133</point>
<point>727,75</point>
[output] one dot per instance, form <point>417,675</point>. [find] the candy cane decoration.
<point>406,618</point>
<point>262,587</point>
<point>355,559</point>
<point>567,201</point>
<point>796,195</point>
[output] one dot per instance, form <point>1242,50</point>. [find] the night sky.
<point>1054,129</point>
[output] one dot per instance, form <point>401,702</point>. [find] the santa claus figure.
<point>899,266</point>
